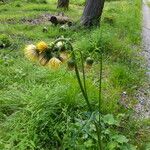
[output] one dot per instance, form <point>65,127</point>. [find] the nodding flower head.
<point>54,63</point>
<point>42,46</point>
<point>31,52</point>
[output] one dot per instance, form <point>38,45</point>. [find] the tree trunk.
<point>63,4</point>
<point>92,13</point>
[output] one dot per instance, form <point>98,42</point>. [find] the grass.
<point>40,108</point>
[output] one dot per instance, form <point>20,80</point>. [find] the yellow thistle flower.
<point>64,56</point>
<point>31,53</point>
<point>43,59</point>
<point>54,63</point>
<point>42,46</point>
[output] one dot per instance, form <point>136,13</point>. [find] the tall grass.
<point>42,109</point>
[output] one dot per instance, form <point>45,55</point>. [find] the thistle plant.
<point>82,84</point>
<point>83,88</point>
<point>60,51</point>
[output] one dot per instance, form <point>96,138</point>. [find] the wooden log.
<point>59,20</point>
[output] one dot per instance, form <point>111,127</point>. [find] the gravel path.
<point>143,108</point>
<point>146,33</point>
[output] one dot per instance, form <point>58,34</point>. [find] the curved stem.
<point>80,83</point>
<point>83,72</point>
<point>76,71</point>
<point>62,40</point>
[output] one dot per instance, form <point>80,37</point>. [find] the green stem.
<point>80,84</point>
<point>83,72</point>
<point>87,100</point>
<point>82,87</point>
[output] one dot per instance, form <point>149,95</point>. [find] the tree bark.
<point>63,4</point>
<point>92,13</point>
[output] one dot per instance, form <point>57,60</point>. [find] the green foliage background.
<point>44,109</point>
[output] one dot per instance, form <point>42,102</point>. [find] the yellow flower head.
<point>64,56</point>
<point>30,52</point>
<point>54,63</point>
<point>43,59</point>
<point>42,46</point>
